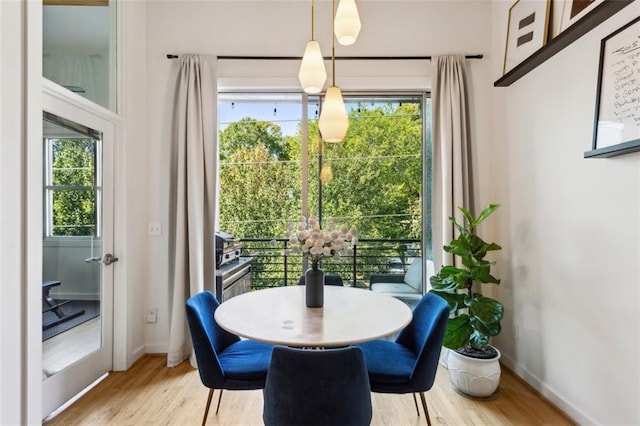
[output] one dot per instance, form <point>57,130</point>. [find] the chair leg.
<point>219,399</point>
<point>424,407</point>
<point>206,408</point>
<point>415,401</point>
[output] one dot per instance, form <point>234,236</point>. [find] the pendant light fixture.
<point>334,121</point>
<point>326,174</point>
<point>312,74</point>
<point>347,22</point>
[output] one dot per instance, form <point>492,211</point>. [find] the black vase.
<point>314,287</point>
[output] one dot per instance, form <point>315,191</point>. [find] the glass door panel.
<point>71,287</point>
<point>77,271</point>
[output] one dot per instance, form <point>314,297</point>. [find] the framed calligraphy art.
<point>616,128</point>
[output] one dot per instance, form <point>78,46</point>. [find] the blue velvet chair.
<point>409,364</point>
<point>317,388</point>
<point>224,360</point>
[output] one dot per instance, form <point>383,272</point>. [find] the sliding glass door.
<point>273,167</point>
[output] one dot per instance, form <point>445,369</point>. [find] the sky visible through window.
<point>282,109</point>
<point>284,112</point>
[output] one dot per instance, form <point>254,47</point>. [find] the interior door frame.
<point>64,103</point>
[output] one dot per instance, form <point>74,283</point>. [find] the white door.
<point>79,140</point>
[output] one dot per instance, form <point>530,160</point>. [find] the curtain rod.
<point>328,58</point>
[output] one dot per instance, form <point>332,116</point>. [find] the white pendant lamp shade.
<point>334,121</point>
<point>347,22</point>
<point>312,74</point>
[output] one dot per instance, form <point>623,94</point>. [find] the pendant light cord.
<point>333,43</point>
<point>313,20</point>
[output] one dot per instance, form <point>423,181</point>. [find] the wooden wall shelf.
<point>598,15</point>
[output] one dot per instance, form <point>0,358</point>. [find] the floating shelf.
<point>615,150</point>
<point>598,15</point>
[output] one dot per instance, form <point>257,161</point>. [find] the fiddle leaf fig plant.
<point>477,317</point>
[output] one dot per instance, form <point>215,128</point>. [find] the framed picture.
<point>574,10</point>
<point>527,29</point>
<point>616,128</point>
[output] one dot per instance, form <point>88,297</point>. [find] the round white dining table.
<point>279,316</point>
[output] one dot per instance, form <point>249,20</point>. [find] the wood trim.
<point>75,2</point>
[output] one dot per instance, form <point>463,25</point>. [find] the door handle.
<point>109,259</point>
<point>93,259</point>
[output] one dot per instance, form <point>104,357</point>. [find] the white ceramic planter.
<point>474,377</point>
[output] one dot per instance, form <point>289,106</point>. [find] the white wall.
<point>88,70</point>
<point>281,28</point>
<point>64,260</point>
<point>11,244</point>
<point>20,212</point>
<point>132,218</point>
<point>570,231</point>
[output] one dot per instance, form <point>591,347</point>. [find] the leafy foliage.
<point>480,317</point>
<point>258,194</point>
<point>380,167</point>
<point>248,133</point>
<point>377,175</point>
<point>74,191</point>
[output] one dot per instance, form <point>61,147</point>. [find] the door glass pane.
<point>260,172</point>
<point>373,180</point>
<point>71,281</point>
<point>78,49</point>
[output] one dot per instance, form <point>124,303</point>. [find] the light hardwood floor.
<point>149,393</point>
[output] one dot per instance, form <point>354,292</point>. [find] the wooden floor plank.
<point>149,393</point>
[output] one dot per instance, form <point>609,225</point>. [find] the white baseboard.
<point>135,355</point>
<point>155,349</point>
<point>570,410</point>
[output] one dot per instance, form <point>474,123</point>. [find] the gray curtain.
<point>451,168</point>
<point>76,72</point>
<point>192,198</point>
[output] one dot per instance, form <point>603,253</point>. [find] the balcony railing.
<point>271,268</point>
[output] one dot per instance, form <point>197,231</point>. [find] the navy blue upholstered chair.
<point>409,364</point>
<point>317,387</point>
<point>329,279</point>
<point>224,360</point>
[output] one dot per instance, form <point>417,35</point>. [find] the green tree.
<point>377,180</point>
<point>248,133</point>
<point>259,188</point>
<point>377,175</point>
<point>377,172</point>
<point>73,187</point>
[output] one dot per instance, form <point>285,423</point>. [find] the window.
<point>71,176</point>
<point>79,48</point>
<point>376,172</point>
<point>273,167</point>
<point>260,168</point>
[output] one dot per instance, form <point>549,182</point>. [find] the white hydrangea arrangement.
<point>308,239</point>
